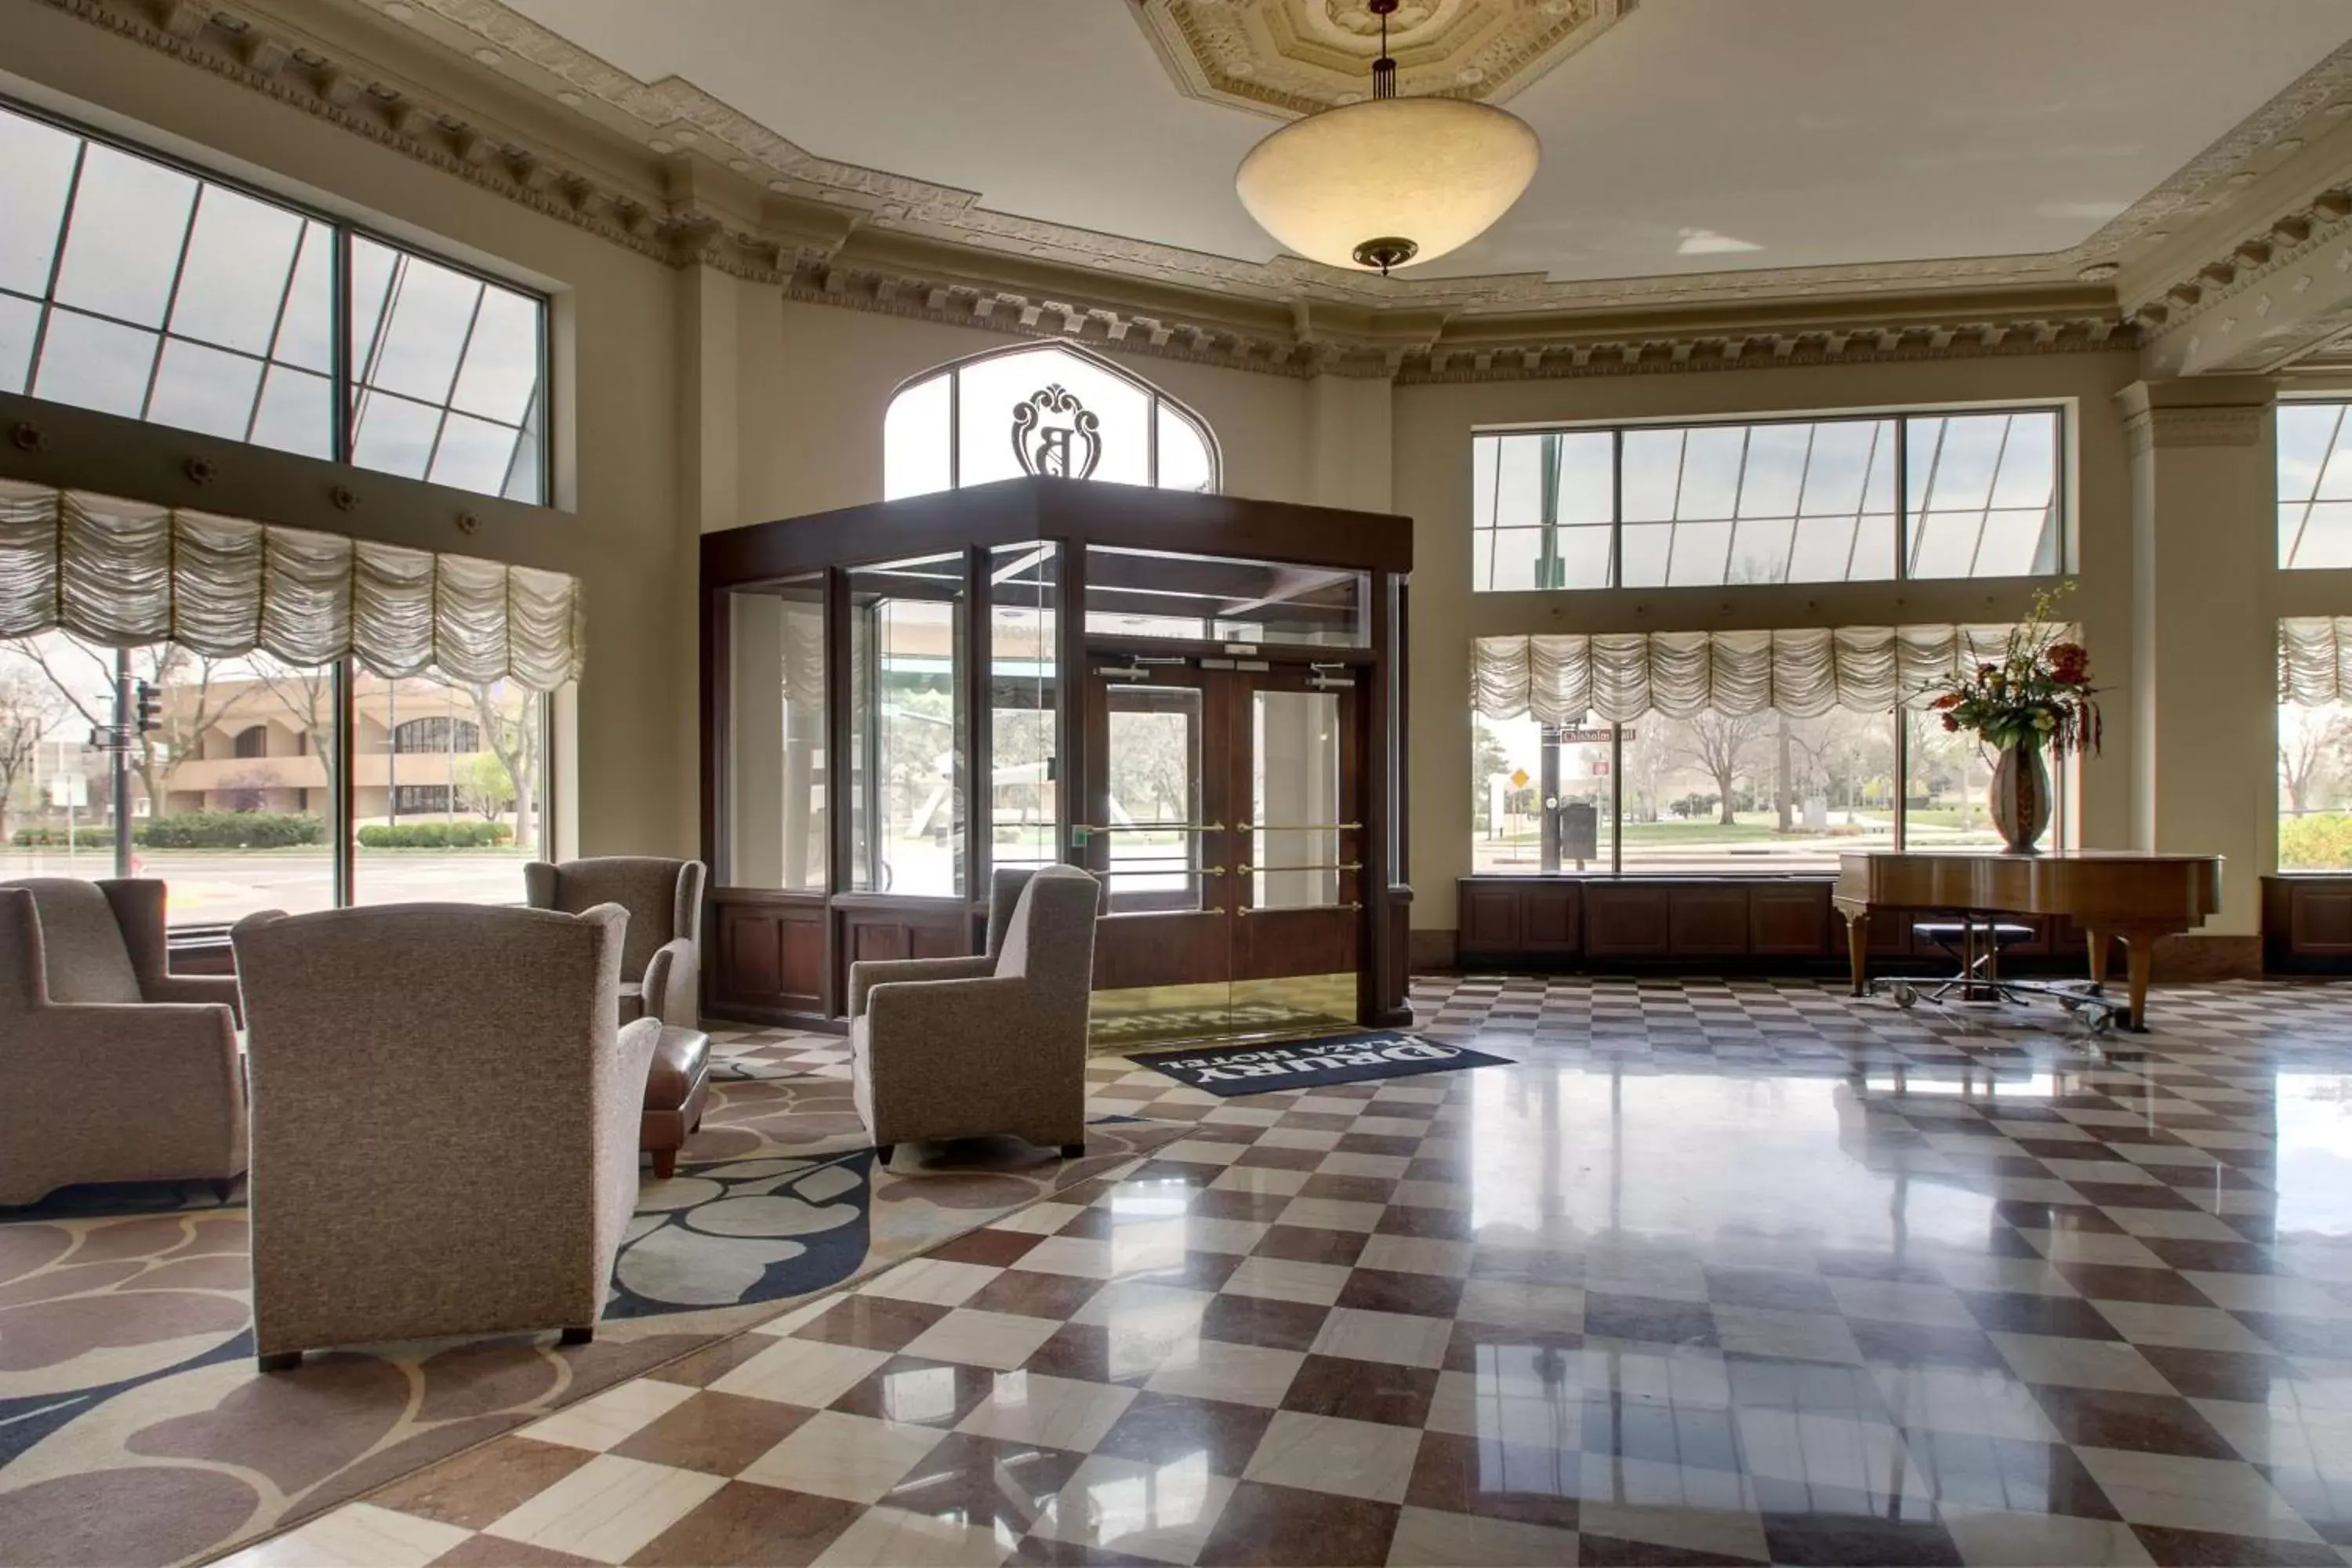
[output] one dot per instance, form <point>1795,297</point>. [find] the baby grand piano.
<point>2108,892</point>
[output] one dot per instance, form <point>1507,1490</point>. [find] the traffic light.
<point>148,701</point>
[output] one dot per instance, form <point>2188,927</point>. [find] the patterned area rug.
<point>133,1428</point>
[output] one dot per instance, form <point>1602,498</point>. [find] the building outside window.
<point>134,286</point>
<point>1846,499</point>
<point>233,799</point>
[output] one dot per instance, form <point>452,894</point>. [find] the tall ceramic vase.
<point>2020,798</point>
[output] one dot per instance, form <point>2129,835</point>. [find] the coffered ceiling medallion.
<point>1290,58</point>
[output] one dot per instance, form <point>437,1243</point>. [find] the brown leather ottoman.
<point>676,1087</point>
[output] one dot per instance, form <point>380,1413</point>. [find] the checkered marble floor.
<point>1709,1273</point>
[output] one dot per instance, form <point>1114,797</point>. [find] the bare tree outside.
<point>308,696</point>
<point>1718,744</point>
<point>2311,745</point>
<point>83,674</point>
<point>27,711</point>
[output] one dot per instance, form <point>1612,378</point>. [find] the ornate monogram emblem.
<point>1055,435</point>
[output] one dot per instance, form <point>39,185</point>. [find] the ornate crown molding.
<point>2239,285</point>
<point>1423,356</point>
<point>660,110</point>
<point>679,208</point>
<point>1292,57</point>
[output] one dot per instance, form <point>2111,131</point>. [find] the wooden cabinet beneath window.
<point>1627,920</point>
<point>766,952</point>
<point>1490,917</point>
<point>1704,921</point>
<point>1790,920</point>
<point>940,929</point>
<point>1707,920</point>
<point>2307,924</point>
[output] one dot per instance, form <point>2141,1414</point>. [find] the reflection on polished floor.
<point>1716,1273</point>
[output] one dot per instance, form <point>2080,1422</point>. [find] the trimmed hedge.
<point>2320,842</point>
<point>435,835</point>
<point>192,830</point>
<point>54,837</point>
<point>229,830</point>
<point>270,831</point>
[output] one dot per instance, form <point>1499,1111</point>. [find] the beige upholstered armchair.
<point>962,1047</point>
<point>111,1067</point>
<point>661,967</point>
<point>445,1121</point>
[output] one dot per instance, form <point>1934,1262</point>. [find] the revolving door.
<point>1194,697</point>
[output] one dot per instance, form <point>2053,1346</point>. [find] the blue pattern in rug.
<point>744,1230</point>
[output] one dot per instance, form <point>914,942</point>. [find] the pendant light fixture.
<point>1391,181</point>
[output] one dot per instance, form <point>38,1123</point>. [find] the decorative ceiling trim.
<point>1431,360</point>
<point>236,50</point>
<point>820,253</point>
<point>662,108</point>
<point>1294,57</point>
<point>2190,304</point>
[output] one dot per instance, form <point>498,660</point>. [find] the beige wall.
<point>688,400</point>
<point>617,526</point>
<point>1433,428</point>
<point>813,380</point>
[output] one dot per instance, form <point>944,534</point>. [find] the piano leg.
<point>1857,949</point>
<point>2096,941</point>
<point>2139,957</point>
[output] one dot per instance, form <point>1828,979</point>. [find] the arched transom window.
<point>1043,410</point>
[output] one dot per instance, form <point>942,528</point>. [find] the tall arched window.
<point>1041,409</point>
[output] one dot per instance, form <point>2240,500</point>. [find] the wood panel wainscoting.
<point>784,958</point>
<point>1703,923</point>
<point>2307,923</point>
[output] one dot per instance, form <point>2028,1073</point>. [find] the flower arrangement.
<point>2039,695</point>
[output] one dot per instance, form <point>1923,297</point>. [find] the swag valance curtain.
<point>123,573</point>
<point>1618,677</point>
<point>2316,660</point>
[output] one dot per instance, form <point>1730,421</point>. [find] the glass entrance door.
<point>1222,814</point>
<point>1298,899</point>
<point>1155,830</point>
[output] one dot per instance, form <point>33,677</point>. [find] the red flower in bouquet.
<point>2039,694</point>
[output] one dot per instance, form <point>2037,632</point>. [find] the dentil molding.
<point>659,111</point>
<point>678,206</point>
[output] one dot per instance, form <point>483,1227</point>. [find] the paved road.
<point>209,886</point>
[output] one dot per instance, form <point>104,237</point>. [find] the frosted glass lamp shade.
<point>1433,173</point>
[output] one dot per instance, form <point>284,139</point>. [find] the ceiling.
<point>1683,136</point>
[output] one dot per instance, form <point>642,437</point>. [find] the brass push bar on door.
<point>1165,871</point>
<point>1286,909</point>
<point>1150,828</point>
<point>1298,827</point>
<point>1317,866</point>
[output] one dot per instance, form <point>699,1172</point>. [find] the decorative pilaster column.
<point>2204,666</point>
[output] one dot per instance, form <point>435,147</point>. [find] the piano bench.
<point>1949,934</point>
